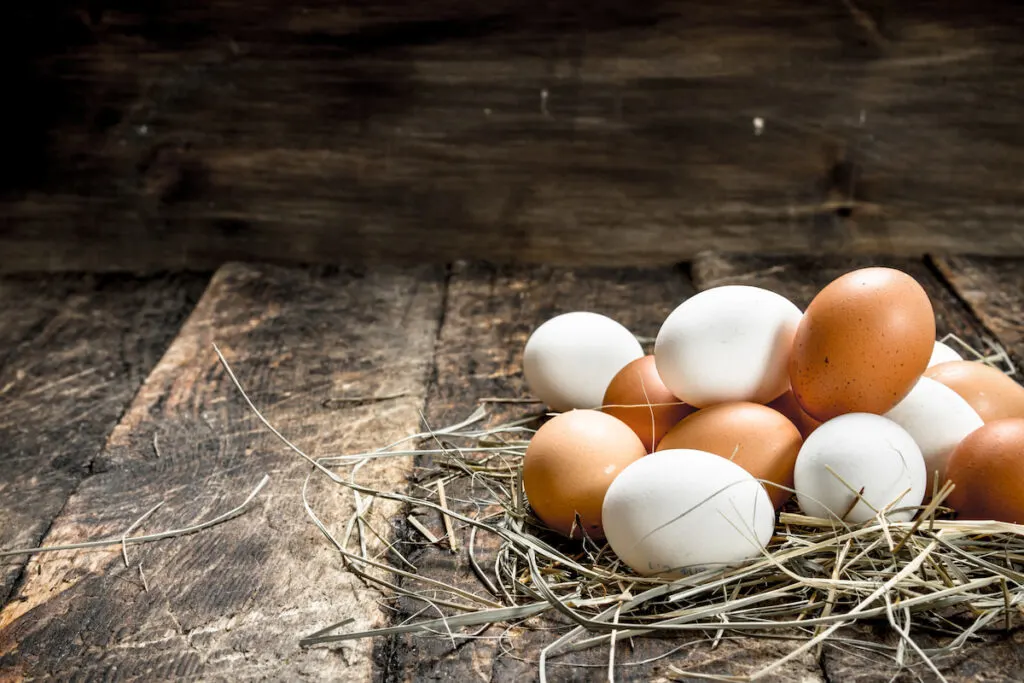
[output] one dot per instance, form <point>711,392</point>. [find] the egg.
<point>991,393</point>
<point>791,408</point>
<point>941,353</point>
<point>569,360</point>
<point>938,419</point>
<point>638,397</point>
<point>872,455</point>
<point>569,464</point>
<point>680,509</point>
<point>988,471</point>
<point>863,342</point>
<point>725,344</point>
<point>760,440</point>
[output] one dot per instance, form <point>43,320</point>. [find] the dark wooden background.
<point>178,134</point>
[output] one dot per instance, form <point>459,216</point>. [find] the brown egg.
<point>654,409</point>
<point>988,470</point>
<point>760,440</point>
<point>862,344</point>
<point>569,465</point>
<point>991,393</point>
<point>791,408</point>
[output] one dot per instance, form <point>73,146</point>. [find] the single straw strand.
<point>230,514</point>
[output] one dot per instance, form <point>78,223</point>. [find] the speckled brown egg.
<point>991,393</point>
<point>988,471</point>
<point>638,397</point>
<point>791,408</point>
<point>569,465</point>
<point>862,344</point>
<point>760,440</point>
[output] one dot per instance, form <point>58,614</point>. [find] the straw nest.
<point>952,579</point>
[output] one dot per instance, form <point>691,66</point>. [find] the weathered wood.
<point>161,135</point>
<point>800,279</point>
<point>73,352</point>
<point>994,290</point>
<point>489,316</point>
<point>233,601</point>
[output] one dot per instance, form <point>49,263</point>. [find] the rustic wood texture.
<point>994,290</point>
<point>73,351</point>
<point>995,658</point>
<point>165,134</point>
<point>490,314</point>
<point>232,602</point>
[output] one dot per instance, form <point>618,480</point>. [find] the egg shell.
<point>569,464</point>
<point>678,509</point>
<point>726,344</point>
<point>791,408</point>
<point>760,440</point>
<point>938,419</point>
<point>868,452</point>
<point>991,393</point>
<point>569,360</point>
<point>988,471</point>
<point>863,342</point>
<point>942,353</point>
<point>638,397</point>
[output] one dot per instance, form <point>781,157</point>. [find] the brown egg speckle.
<point>862,344</point>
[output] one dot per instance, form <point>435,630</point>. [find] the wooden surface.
<point>314,347</point>
<point>73,351</point>
<point>158,135</point>
<point>232,602</point>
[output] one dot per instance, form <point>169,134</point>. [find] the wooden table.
<point>112,400</point>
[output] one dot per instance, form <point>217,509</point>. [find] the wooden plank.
<point>233,601</point>
<point>799,280</point>
<point>594,133</point>
<point>73,351</point>
<point>993,288</point>
<point>490,314</point>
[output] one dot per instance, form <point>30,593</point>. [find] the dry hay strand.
<point>954,579</point>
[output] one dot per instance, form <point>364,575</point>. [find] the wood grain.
<point>997,657</point>
<point>993,288</point>
<point>73,351</point>
<point>231,603</point>
<point>490,314</point>
<point>156,135</point>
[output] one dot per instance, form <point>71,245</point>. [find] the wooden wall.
<point>186,133</point>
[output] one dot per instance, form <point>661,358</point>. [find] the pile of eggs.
<point>681,459</point>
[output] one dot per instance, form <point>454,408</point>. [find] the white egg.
<point>729,343</point>
<point>941,353</point>
<point>685,509</point>
<point>870,453</point>
<point>938,419</point>
<point>570,360</point>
